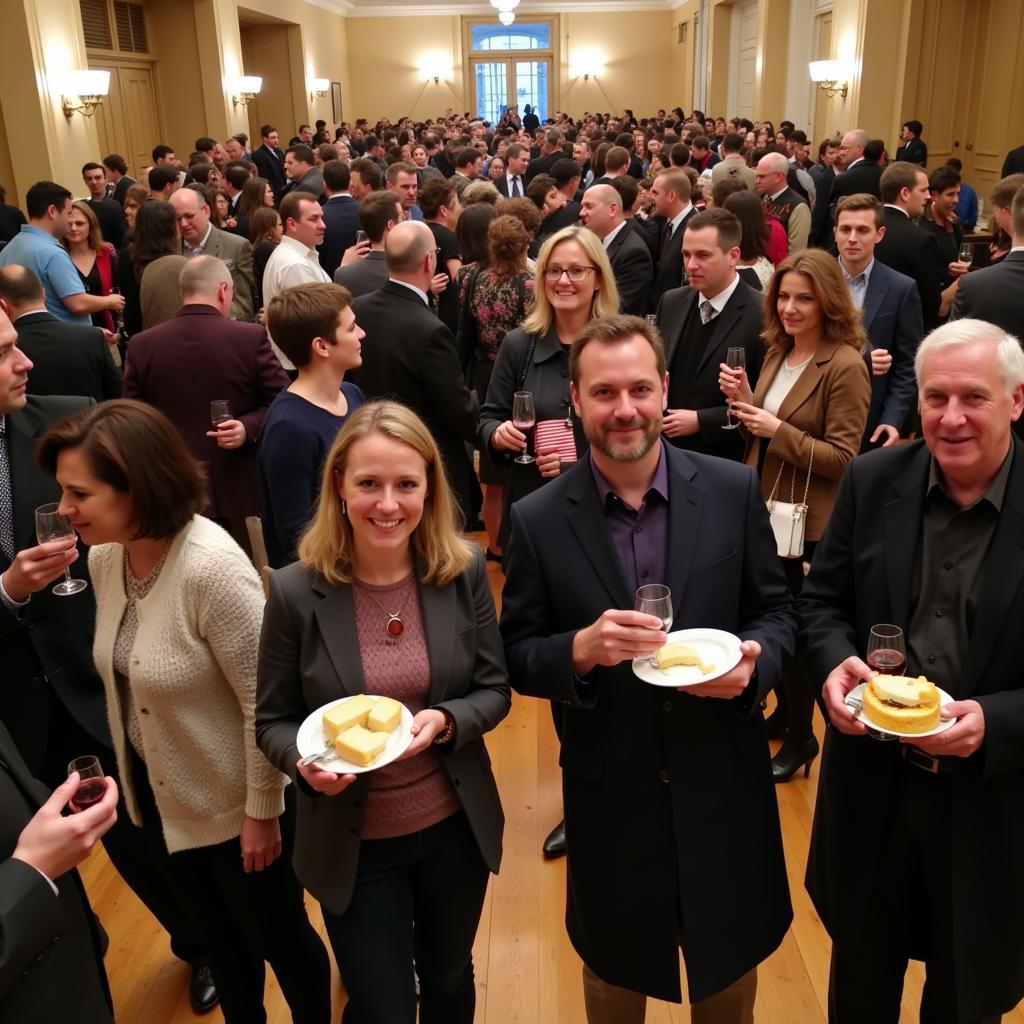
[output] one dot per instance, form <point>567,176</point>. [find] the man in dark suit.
<point>270,160</point>
<point>860,173</point>
<point>68,359</point>
<point>645,771</point>
<point>117,173</point>
<point>916,846</point>
<point>905,247</point>
<point>891,311</point>
<point>700,322</point>
<point>601,211</point>
<point>109,212</point>
<point>517,159</point>
<point>199,356</point>
<point>671,195</point>
<point>51,951</point>
<point>379,213</point>
<point>913,150</point>
<point>552,151</point>
<point>409,355</point>
<point>302,172</point>
<point>1014,162</point>
<point>51,700</point>
<point>341,215</point>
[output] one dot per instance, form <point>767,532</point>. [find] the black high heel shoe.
<point>792,757</point>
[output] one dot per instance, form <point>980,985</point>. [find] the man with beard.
<point>672,828</point>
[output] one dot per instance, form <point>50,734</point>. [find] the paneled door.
<point>127,121</point>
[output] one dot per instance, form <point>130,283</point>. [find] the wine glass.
<point>655,599</point>
<point>51,525</point>
<point>652,319</point>
<point>737,359</point>
<point>887,650</point>
<point>966,254</point>
<point>220,410</point>
<point>91,782</point>
<point>524,417</point>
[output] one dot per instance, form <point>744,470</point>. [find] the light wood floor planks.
<point>527,972</point>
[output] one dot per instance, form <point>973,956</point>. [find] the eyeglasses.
<point>575,274</point>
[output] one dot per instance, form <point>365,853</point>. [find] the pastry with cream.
<point>902,704</point>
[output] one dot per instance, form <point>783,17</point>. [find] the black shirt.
<point>110,214</point>
<point>448,302</point>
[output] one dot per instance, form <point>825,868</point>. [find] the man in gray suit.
<point>303,174</point>
<point>200,238</point>
<point>379,213</point>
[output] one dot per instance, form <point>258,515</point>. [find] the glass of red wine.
<point>887,650</point>
<point>91,782</point>
<point>220,411</point>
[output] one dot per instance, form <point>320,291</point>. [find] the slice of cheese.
<point>359,745</point>
<point>901,690</point>
<point>679,654</point>
<point>385,715</point>
<point>344,716</point>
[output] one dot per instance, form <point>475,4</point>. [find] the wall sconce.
<point>249,87</point>
<point>88,87</point>
<point>830,77</point>
<point>589,64</point>
<point>318,87</point>
<point>435,66</point>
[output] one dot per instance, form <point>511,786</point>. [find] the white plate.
<point>714,646</point>
<point>311,738</point>
<point>944,723</point>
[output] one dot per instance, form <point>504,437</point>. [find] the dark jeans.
<point>796,692</point>
<point>246,919</point>
<point>907,916</point>
<point>417,897</point>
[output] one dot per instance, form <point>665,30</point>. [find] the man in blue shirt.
<point>37,246</point>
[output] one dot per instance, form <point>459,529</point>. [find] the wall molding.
<point>349,10</point>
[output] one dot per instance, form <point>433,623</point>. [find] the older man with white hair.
<point>917,844</point>
<point>781,201</point>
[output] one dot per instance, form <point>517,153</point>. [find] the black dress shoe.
<point>202,991</point>
<point>554,845</point>
<point>792,756</point>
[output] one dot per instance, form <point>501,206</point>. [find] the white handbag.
<point>789,519</point>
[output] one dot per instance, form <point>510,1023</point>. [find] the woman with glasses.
<point>574,284</point>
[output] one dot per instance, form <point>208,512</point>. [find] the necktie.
<point>707,311</point>
<point>666,235</point>
<point>516,193</point>
<point>6,498</point>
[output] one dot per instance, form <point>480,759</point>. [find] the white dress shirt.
<point>612,235</point>
<point>291,263</point>
<point>509,178</point>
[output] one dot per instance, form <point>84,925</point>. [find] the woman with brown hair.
<point>155,245</point>
<point>178,614</point>
<point>133,199</point>
<point>265,231</point>
<point>754,266</point>
<point>803,424</point>
<point>398,857</point>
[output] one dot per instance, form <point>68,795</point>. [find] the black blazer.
<point>1014,162</point>
<point>863,177</point>
<point>633,268</point>
<point>68,359</point>
<point>46,649</point>
<point>309,655</point>
<point>993,293</point>
<point>912,251</point>
<point>50,946</point>
<point>668,273</point>
<point>914,151</point>
<point>739,324</point>
<point>409,355</point>
<point>341,221</point>
<point>271,166</point>
<point>645,771</point>
<point>502,185</point>
<point>892,318</point>
<point>542,165</point>
<point>864,571</point>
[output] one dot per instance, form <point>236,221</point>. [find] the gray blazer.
<point>309,655</point>
<point>236,253</point>
<point>368,275</point>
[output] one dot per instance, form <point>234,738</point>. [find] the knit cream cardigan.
<point>193,677</point>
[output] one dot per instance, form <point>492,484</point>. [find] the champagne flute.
<point>51,525</point>
<point>524,418</point>
<point>966,254</point>
<point>655,599</point>
<point>887,650</point>
<point>220,410</point>
<point>737,359</point>
<point>91,782</point>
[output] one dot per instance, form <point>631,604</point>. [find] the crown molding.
<point>350,10</point>
<point>342,7</point>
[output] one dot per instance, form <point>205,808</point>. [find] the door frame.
<point>510,62</point>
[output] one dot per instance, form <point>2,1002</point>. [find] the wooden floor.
<point>527,972</point>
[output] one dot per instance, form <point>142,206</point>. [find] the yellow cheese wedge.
<point>359,745</point>
<point>385,715</point>
<point>344,716</point>
<point>679,654</point>
<point>901,690</point>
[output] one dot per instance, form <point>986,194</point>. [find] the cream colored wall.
<point>384,67</point>
<point>682,56</point>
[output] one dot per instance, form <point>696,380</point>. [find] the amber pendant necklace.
<point>395,627</point>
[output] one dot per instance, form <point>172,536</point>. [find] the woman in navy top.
<point>313,324</point>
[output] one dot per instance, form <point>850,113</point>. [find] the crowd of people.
<point>274,391</point>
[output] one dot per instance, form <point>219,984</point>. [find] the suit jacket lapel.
<point>806,382</point>
<point>29,487</point>
<point>586,520</point>
<point>685,502</point>
<point>438,606</point>
<point>878,286</point>
<point>672,343</point>
<point>336,620</point>
<point>724,323</point>
<point>903,534</point>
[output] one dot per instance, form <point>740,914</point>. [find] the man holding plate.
<point>672,828</point>
<point>917,844</point>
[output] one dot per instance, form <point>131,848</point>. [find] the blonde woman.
<point>388,598</point>
<point>94,259</point>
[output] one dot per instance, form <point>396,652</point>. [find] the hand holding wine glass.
<point>92,783</point>
<point>655,599</point>
<point>51,525</point>
<point>524,418</point>
<point>966,253</point>
<point>735,359</point>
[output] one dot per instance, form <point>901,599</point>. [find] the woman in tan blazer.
<point>812,396</point>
